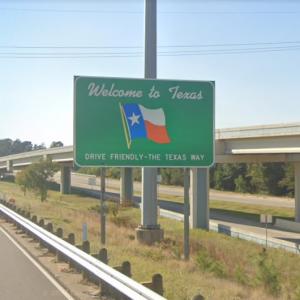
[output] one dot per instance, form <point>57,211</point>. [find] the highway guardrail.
<point>116,280</point>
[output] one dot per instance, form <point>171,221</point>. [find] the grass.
<point>221,267</point>
<point>246,211</point>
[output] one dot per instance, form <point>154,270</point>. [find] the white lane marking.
<point>42,270</point>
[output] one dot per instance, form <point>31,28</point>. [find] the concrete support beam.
<point>9,166</point>
<point>126,186</point>
<point>199,198</point>
<point>65,180</point>
<point>149,199</point>
<point>297,191</point>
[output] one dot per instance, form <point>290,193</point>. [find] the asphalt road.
<point>113,185</point>
<point>21,278</point>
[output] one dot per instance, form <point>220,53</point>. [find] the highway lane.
<point>21,277</point>
<point>230,220</point>
<point>113,185</point>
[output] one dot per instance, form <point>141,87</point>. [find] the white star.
<point>134,119</point>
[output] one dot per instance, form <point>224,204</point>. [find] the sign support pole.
<point>149,231</point>
<point>186,215</point>
<point>266,234</point>
<point>102,208</point>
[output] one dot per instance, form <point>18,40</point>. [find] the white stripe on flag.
<point>155,116</point>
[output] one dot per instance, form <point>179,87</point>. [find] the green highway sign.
<point>143,122</point>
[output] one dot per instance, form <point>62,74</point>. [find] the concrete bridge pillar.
<point>126,182</point>
<point>65,180</point>
<point>199,198</point>
<point>9,166</point>
<point>297,191</point>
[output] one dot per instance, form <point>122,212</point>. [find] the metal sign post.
<point>266,219</point>
<point>102,208</point>
<point>84,232</point>
<point>186,214</point>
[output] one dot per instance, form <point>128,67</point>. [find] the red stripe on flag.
<point>157,133</point>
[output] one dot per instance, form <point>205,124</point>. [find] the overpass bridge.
<point>255,144</point>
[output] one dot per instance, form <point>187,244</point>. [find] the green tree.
<point>56,144</point>
<point>241,185</point>
<point>23,181</point>
<point>226,174</point>
<point>36,177</point>
<point>287,183</point>
<point>274,173</point>
<point>256,177</point>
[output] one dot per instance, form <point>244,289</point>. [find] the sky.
<point>251,49</point>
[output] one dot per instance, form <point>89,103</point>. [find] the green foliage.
<point>172,176</point>
<point>267,178</point>
<point>22,180</point>
<point>241,276</point>
<point>36,176</point>
<point>210,264</point>
<point>257,180</point>
<point>268,274</point>
<point>287,183</point>
<point>241,185</point>
<point>55,144</point>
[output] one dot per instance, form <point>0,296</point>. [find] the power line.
<point>142,12</point>
<point>159,52</point>
<point>140,47</point>
<point>133,55</point>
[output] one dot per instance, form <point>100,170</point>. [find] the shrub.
<point>210,264</point>
<point>268,274</point>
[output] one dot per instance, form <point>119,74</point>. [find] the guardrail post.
<point>60,234</point>
<point>71,238</point>
<point>198,297</point>
<point>156,284</point>
<point>41,223</point>
<point>124,268</point>
<point>86,249</point>
<point>103,255</point>
<point>49,227</point>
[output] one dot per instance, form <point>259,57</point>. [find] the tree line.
<point>8,146</point>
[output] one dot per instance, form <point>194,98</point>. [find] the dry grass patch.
<point>221,267</point>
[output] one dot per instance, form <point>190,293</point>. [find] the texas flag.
<point>142,122</point>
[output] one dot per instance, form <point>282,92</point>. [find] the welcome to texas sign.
<point>143,122</point>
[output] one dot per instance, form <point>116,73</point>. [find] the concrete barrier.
<point>287,225</point>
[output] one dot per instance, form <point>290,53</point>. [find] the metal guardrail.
<point>253,238</point>
<point>113,278</point>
